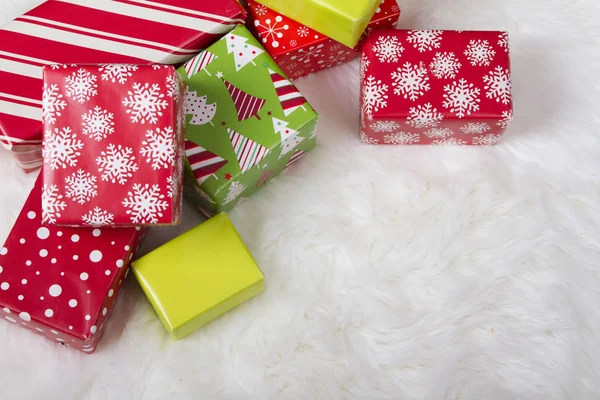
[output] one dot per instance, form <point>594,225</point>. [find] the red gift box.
<point>93,32</point>
<point>63,283</point>
<point>435,87</point>
<point>299,50</point>
<point>113,145</point>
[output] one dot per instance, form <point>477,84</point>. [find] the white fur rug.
<point>392,272</point>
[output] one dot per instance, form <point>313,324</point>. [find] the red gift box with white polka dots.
<point>299,50</point>
<point>435,87</point>
<point>62,283</point>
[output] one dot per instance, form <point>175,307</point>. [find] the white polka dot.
<point>84,276</point>
<point>31,214</point>
<point>28,263</point>
<point>96,232</point>
<point>93,329</point>
<point>96,256</point>
<point>127,248</point>
<point>119,263</point>
<point>72,303</point>
<point>88,317</point>
<point>110,293</point>
<point>70,327</point>
<point>21,297</point>
<point>37,272</point>
<point>113,243</point>
<point>41,297</point>
<point>59,233</point>
<point>25,316</point>
<point>107,272</point>
<point>89,291</point>
<point>6,310</point>
<point>55,290</point>
<point>62,274</point>
<point>53,331</point>
<point>4,286</point>
<point>43,253</point>
<point>49,313</point>
<point>11,319</point>
<point>75,257</point>
<point>75,238</point>
<point>59,247</point>
<point>24,281</point>
<point>22,241</point>
<point>104,311</point>
<point>3,251</point>
<point>53,261</point>
<point>316,36</point>
<point>1,269</point>
<point>43,233</point>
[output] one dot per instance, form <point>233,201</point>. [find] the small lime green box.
<point>344,21</point>
<point>199,276</point>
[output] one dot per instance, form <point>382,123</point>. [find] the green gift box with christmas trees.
<point>246,122</point>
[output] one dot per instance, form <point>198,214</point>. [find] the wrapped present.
<point>210,272</point>
<point>341,20</point>
<point>62,283</point>
<point>300,50</point>
<point>92,32</point>
<point>113,145</point>
<point>435,87</point>
<point>245,122</point>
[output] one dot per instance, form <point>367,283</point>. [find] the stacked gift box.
<point>129,107</point>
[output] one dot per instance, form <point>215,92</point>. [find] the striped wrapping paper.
<point>95,32</point>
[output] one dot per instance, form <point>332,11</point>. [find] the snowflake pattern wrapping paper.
<point>62,283</point>
<point>91,32</point>
<point>301,51</point>
<point>113,145</point>
<point>435,87</point>
<point>243,117</point>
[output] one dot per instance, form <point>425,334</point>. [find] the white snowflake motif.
<point>52,204</point>
<point>401,138</point>
<point>424,40</point>
<point>52,103</point>
<point>462,98</point>
<point>385,126</point>
<point>303,31</point>
<point>308,55</point>
<point>480,53</point>
<point>117,164</point>
<point>335,59</point>
<point>498,85</point>
<point>507,118</point>
<point>159,66</point>
<point>445,65</point>
<point>117,72</point>
<point>145,103</point>
<point>439,133</point>
<point>388,49</point>
<point>374,96</point>
<point>425,116</point>
<point>449,142</point>
<point>367,139</point>
<point>81,186</point>
<point>395,8</point>
<point>61,148</point>
<point>173,87</point>
<point>170,187</point>
<point>159,148</point>
<point>475,128</point>
<point>364,65</point>
<point>503,41</point>
<point>81,85</point>
<point>336,47</point>
<point>486,140</point>
<point>272,30</point>
<point>235,191</point>
<point>293,43</point>
<point>97,217</point>
<point>145,204</point>
<point>260,10</point>
<point>98,124</point>
<point>410,81</point>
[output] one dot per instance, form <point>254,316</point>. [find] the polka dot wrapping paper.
<point>62,283</point>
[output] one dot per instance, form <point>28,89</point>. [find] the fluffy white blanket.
<point>392,272</point>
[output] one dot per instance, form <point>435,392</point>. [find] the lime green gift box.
<point>199,276</point>
<point>344,21</point>
<point>245,122</point>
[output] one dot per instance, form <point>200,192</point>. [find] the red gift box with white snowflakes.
<point>113,145</point>
<point>301,51</point>
<point>435,87</point>
<point>62,283</point>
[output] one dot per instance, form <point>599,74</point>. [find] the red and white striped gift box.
<point>95,32</point>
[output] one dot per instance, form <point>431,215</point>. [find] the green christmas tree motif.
<point>243,53</point>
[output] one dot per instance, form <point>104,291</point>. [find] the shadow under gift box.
<point>63,283</point>
<point>93,32</point>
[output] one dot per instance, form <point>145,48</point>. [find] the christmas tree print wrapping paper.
<point>246,122</point>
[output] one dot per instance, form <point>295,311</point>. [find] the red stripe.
<point>20,128</point>
<point>282,91</point>
<point>118,24</point>
<point>203,156</point>
<point>178,12</point>
<point>19,85</point>
<point>277,78</point>
<point>246,153</point>
<point>293,103</point>
<point>227,8</point>
<point>190,145</point>
<point>30,62</point>
<point>209,169</point>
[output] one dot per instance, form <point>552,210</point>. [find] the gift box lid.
<point>341,20</point>
<point>198,276</point>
